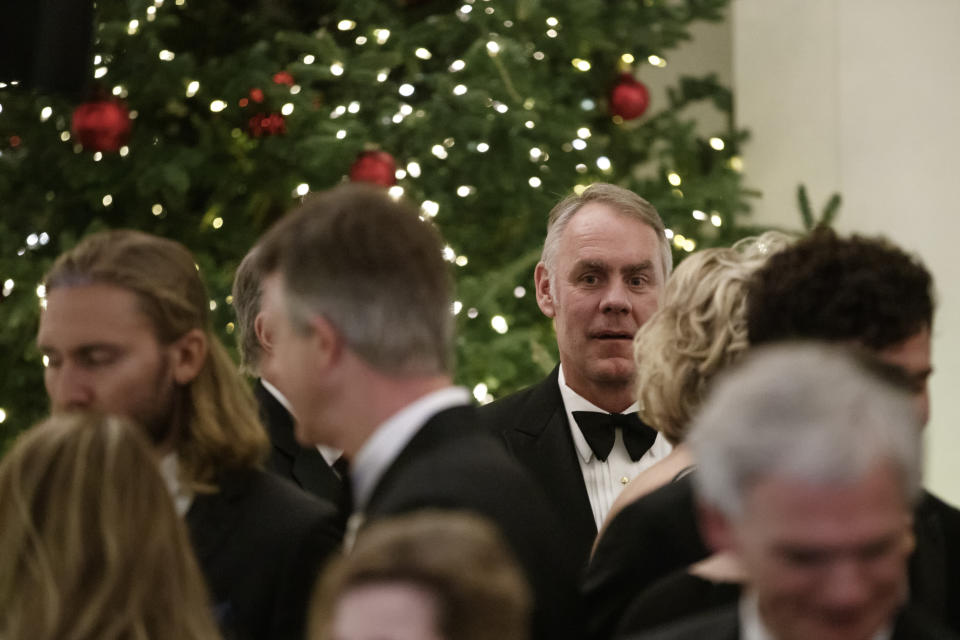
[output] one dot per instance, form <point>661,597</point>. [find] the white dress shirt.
<point>753,628</point>
<point>605,480</point>
<point>329,454</point>
<point>182,496</point>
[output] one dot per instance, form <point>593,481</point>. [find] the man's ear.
<point>715,528</point>
<point>189,354</point>
<point>545,301</point>
<point>326,342</point>
<point>264,336</point>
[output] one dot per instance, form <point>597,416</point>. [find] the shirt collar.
<point>330,454</point>
<point>390,438</point>
<point>182,496</point>
<point>752,626</point>
<point>573,401</point>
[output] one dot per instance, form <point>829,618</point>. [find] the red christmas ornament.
<point>101,126</point>
<point>267,124</point>
<point>256,95</point>
<point>377,167</point>
<point>629,98</point>
<point>283,77</point>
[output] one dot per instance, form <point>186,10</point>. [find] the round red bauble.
<point>377,167</point>
<point>283,77</point>
<point>267,124</point>
<point>629,98</point>
<point>256,95</point>
<point>101,126</point>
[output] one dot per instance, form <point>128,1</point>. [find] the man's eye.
<point>590,279</point>
<point>637,281</point>
<point>99,359</point>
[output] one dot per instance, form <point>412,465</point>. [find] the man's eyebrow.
<point>640,267</point>
<point>592,264</point>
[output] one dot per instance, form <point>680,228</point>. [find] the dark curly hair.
<point>833,288</point>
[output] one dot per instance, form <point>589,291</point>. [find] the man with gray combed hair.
<point>318,469</point>
<point>605,260</point>
<point>809,467</point>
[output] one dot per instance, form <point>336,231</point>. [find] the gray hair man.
<point>604,263</point>
<point>317,469</point>
<point>809,469</point>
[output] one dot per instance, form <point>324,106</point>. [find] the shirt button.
<point>624,480</point>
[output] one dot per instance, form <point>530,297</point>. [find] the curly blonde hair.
<point>700,328</point>
<point>92,546</point>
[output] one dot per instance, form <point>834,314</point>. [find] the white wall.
<point>863,97</point>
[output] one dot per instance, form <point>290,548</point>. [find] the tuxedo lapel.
<point>540,439</point>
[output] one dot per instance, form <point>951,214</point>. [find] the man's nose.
<point>70,389</point>
<point>616,298</point>
<point>847,584</point>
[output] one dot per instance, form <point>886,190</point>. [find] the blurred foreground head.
<point>809,465</point>
<point>92,547</point>
<point>426,576</point>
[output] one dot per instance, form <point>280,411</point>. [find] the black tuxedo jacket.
<point>724,624</point>
<point>304,466</point>
<point>665,521</point>
<point>533,424</point>
<point>451,464</point>
<point>260,542</point>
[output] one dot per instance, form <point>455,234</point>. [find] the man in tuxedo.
<point>317,469</point>
<point>605,260</point>
<point>844,290</point>
<point>809,469</point>
<point>126,330</point>
<point>359,298</point>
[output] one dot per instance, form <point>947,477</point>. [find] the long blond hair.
<point>216,414</point>
<point>700,327</point>
<point>92,547</point>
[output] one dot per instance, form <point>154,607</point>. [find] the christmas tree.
<point>206,120</point>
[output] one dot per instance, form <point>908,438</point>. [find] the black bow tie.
<point>600,431</point>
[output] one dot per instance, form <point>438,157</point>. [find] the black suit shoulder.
<point>721,624</point>
<point>260,542</point>
<point>935,564</point>
<point>452,464</point>
<point>516,410</point>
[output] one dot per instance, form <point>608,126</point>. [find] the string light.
<point>395,191</point>
<point>538,55</point>
<point>8,286</point>
<point>480,392</point>
<point>213,305</point>
<point>430,208</point>
<point>151,14</point>
<point>382,75</point>
<point>519,292</point>
<point>400,174</point>
<point>157,209</point>
<point>716,220</point>
<point>657,61</point>
<point>3,415</point>
<point>583,132</point>
<point>423,53</point>
<point>124,151</point>
<point>32,240</point>
<point>529,124</point>
<point>457,65</point>
<point>464,190</point>
<point>448,254</point>
<point>107,200</point>
<point>97,157</point>
<point>361,40</point>
<point>499,324</point>
<point>717,144</point>
<point>736,163</point>
<point>41,291</point>
<point>287,109</point>
<point>309,58</point>
<point>353,107</point>
<point>493,48</point>
<point>302,189</point>
<point>413,168</point>
<point>461,261</point>
<point>552,22</point>
<point>535,154</point>
<point>341,134</point>
<point>580,65</point>
<point>699,215</point>
<point>166,55</point>
<point>627,58</point>
<point>603,163</point>
<point>406,90</point>
<point>132,26</point>
<point>346,25</point>
<point>668,233</point>
<point>457,307</point>
<point>439,151</point>
<point>217,106</point>
<point>472,313</point>
<point>192,87</point>
<point>230,327</point>
<point>382,35</point>
<point>45,113</point>
<point>534,182</point>
<point>337,112</point>
<point>581,168</point>
<point>336,68</point>
<point>579,144</point>
<point>99,72</point>
<point>483,147</point>
<point>674,179</point>
<point>459,90</point>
